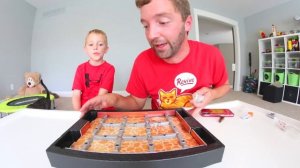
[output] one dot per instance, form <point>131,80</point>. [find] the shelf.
<point>278,64</point>
<point>296,52</point>
<point>295,69</point>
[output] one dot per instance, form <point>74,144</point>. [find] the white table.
<point>25,136</point>
<point>254,142</point>
<point>257,141</point>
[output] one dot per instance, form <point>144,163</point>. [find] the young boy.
<point>96,76</point>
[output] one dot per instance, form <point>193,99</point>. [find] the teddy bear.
<point>32,84</point>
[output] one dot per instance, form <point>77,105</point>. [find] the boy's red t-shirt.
<point>101,76</point>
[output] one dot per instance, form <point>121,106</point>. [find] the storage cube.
<point>293,79</point>
<point>290,94</point>
<point>273,94</point>
<point>262,88</point>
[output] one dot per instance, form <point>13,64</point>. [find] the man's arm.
<point>111,99</point>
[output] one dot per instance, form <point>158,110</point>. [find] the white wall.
<point>16,18</point>
<point>59,33</point>
<point>220,10</point>
<point>228,53</point>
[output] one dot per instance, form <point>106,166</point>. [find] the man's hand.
<point>205,95</point>
<point>202,97</point>
<point>98,102</point>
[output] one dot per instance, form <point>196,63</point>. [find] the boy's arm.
<point>102,91</point>
<point>76,100</point>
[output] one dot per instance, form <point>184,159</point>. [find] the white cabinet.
<point>279,61</point>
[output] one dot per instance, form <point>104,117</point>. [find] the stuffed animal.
<point>32,84</point>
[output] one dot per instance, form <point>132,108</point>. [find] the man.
<point>175,72</point>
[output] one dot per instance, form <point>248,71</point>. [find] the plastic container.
<point>279,63</point>
<point>279,49</point>
<point>279,77</point>
<point>294,63</point>
<point>267,63</point>
<point>267,76</point>
<point>293,79</point>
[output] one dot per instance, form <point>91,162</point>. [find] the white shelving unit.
<point>279,63</point>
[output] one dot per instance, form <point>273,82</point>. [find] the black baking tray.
<point>60,154</point>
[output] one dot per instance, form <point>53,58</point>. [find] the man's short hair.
<point>183,6</point>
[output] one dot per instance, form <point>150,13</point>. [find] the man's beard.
<point>174,46</point>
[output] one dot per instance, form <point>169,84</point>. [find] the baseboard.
<point>63,93</point>
<point>240,88</point>
<point>69,93</point>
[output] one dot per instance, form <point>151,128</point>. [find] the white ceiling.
<point>44,3</point>
<point>246,8</point>
<point>242,8</point>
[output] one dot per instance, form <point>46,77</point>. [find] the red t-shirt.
<point>89,79</point>
<point>172,85</point>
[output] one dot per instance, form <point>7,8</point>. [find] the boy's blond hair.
<point>183,6</point>
<point>97,31</point>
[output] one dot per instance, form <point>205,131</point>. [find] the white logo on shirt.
<point>185,81</point>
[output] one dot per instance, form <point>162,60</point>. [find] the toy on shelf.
<point>262,34</point>
<point>295,44</point>
<point>274,33</point>
<point>279,48</point>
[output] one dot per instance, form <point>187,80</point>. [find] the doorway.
<point>224,34</point>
